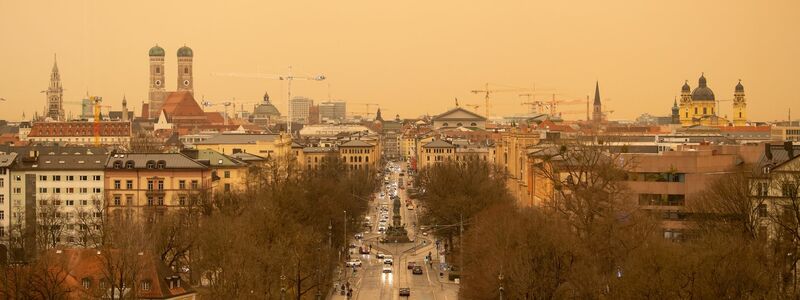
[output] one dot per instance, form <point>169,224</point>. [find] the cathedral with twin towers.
<point>157,91</point>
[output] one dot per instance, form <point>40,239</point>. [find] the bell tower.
<point>597,113</point>
<point>686,115</point>
<point>185,79</point>
<point>739,106</point>
<point>55,95</point>
<point>157,91</point>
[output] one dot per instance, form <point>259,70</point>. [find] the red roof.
<point>216,118</point>
<point>67,129</point>
<point>182,104</point>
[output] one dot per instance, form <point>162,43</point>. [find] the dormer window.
<point>129,164</point>
<point>161,164</point>
<point>117,164</point>
<point>86,283</point>
<point>151,164</point>
<point>146,284</point>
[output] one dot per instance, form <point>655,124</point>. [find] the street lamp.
<point>500,278</point>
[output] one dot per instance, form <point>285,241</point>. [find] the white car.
<point>355,262</point>
<point>387,269</point>
<point>387,259</point>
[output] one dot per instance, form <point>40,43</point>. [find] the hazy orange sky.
<point>411,57</point>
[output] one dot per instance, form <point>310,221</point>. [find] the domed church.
<point>698,106</point>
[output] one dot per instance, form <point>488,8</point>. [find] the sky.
<point>409,57</point>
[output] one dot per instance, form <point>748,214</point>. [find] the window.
<point>117,184</point>
<point>227,187</point>
<point>43,190</point>
<point>18,178</point>
<point>145,285</point>
<point>2,182</point>
<point>129,184</point>
<point>128,200</point>
<point>117,200</point>
<point>2,231</point>
<point>96,177</point>
<point>2,215</point>
<point>789,190</point>
<point>182,200</point>
<point>56,177</point>
<point>70,178</point>
<point>96,190</point>
<point>182,184</point>
<point>160,200</point>
<point>2,199</point>
<point>84,178</point>
<point>661,199</point>
<point>84,202</point>
<point>70,190</point>
<point>56,190</point>
<point>227,174</point>
<point>70,202</point>
<point>42,178</point>
<point>762,210</point>
<point>160,184</point>
<point>695,110</point>
<point>194,184</point>
<point>84,190</point>
<point>149,185</point>
<point>149,200</point>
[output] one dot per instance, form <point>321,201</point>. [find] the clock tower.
<point>157,90</point>
<point>185,79</point>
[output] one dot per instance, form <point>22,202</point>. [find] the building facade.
<point>300,109</point>
<point>81,133</point>
<point>698,106</point>
<point>55,96</point>
<point>6,163</point>
<point>332,111</point>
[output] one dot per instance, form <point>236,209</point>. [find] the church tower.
<point>739,106</point>
<point>124,117</point>
<point>55,95</point>
<point>676,112</point>
<point>686,105</point>
<point>597,113</point>
<point>157,90</point>
<point>185,80</point>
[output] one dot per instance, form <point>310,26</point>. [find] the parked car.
<point>417,270</point>
<point>387,269</point>
<point>387,259</point>
<point>363,250</point>
<point>405,292</point>
<point>355,262</point>
<point>379,255</point>
<point>411,265</point>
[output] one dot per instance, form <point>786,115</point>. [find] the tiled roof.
<point>247,157</point>
<point>215,117</point>
<point>228,138</point>
<point>140,161</point>
<point>77,161</point>
<point>444,116</point>
<point>182,104</point>
<point>438,144</point>
<point>7,159</point>
<point>214,158</point>
<point>67,129</point>
<point>80,264</point>
<point>356,143</point>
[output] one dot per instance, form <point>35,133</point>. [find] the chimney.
<point>787,145</point>
<point>768,150</point>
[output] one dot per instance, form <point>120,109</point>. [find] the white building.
<point>300,109</point>
<point>6,161</point>
<point>61,193</point>
<point>332,111</point>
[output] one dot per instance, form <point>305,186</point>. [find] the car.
<point>359,236</point>
<point>409,207</point>
<point>353,246</point>
<point>355,262</point>
<point>387,259</point>
<point>381,228</point>
<point>363,250</point>
<point>411,265</point>
<point>417,270</point>
<point>405,292</point>
<point>387,269</point>
<point>424,233</point>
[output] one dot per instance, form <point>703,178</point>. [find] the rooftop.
<point>152,161</point>
<point>238,138</point>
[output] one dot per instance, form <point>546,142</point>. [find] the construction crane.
<point>473,106</point>
<point>367,111</point>
<point>96,100</point>
<point>487,92</point>
<point>287,77</point>
<point>226,104</point>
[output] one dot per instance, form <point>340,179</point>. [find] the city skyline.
<point>411,60</point>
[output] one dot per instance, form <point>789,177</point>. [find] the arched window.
<point>117,164</point>
<point>740,114</point>
<point>445,125</point>
<point>151,164</point>
<point>86,282</point>
<point>129,164</point>
<point>473,124</point>
<point>459,124</point>
<point>161,164</point>
<point>695,110</point>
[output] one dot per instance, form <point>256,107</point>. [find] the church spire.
<point>597,93</point>
<point>597,113</point>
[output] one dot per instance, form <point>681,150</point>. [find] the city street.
<point>370,282</point>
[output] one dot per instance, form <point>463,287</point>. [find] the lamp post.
<point>500,278</point>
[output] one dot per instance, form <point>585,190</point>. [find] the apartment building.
<point>264,145</point>
<point>228,174</point>
<point>6,163</point>
<point>148,183</point>
<point>61,193</point>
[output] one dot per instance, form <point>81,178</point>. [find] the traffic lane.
<point>375,284</point>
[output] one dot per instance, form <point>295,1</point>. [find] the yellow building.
<point>434,152</point>
<point>358,154</point>
<point>512,155</point>
<point>698,106</point>
<point>228,174</point>
<point>265,145</point>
